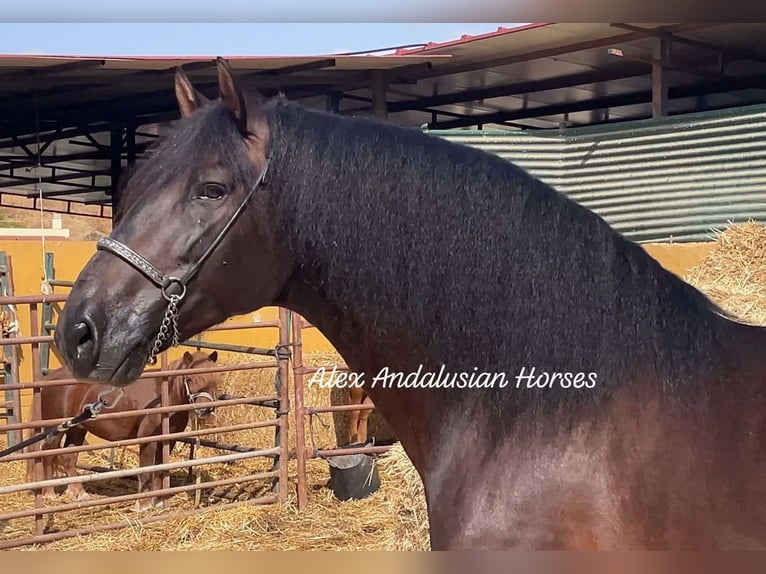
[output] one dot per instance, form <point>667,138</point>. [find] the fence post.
<point>282,430</point>
<point>300,423</point>
<point>45,349</point>
<point>36,411</point>
<point>165,402</point>
<point>12,405</point>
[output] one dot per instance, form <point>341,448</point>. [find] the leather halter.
<point>201,412</point>
<point>165,282</point>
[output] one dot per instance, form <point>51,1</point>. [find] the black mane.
<point>410,233</point>
<point>418,234</point>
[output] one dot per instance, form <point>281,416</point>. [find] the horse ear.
<point>188,358</point>
<point>189,99</point>
<point>213,356</point>
<point>231,94</point>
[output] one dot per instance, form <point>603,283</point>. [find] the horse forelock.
<point>197,381</point>
<point>205,136</point>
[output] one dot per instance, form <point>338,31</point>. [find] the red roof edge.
<point>466,38</point>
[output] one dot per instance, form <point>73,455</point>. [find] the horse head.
<point>199,388</point>
<point>192,223</point>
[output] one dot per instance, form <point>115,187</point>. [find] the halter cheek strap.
<point>165,282</point>
<point>192,398</point>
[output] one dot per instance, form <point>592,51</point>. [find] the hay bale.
<point>734,272</point>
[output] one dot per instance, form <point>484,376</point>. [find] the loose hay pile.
<point>734,272</point>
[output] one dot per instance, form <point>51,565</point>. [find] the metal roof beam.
<point>19,180</point>
<point>51,70</point>
<point>103,86</point>
<point>295,68</point>
<point>736,53</point>
<point>48,92</point>
<point>557,51</point>
<point>165,101</point>
<point>22,161</point>
<point>642,97</point>
<point>51,135</point>
<point>623,71</point>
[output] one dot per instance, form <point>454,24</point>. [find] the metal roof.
<point>537,76</point>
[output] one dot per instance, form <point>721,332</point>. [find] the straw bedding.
<point>394,518</point>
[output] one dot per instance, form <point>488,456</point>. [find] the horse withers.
<point>66,401</point>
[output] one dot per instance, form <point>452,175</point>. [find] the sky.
<point>208,39</point>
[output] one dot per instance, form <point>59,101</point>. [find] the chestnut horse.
<point>357,420</point>
<point>69,400</point>
<point>569,392</point>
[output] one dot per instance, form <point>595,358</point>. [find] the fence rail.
<point>278,453</point>
<point>289,327</point>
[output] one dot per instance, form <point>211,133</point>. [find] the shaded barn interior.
<point>70,125</point>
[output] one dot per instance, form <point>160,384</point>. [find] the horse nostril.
<point>82,339</point>
<point>83,332</point>
<point>82,336</point>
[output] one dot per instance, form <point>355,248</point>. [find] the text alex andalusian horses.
<point>406,250</point>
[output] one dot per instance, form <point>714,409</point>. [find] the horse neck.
<point>600,305</point>
<point>744,348</point>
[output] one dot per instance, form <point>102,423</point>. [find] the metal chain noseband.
<point>165,282</point>
<point>169,320</point>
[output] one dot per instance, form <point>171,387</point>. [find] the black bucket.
<point>353,476</point>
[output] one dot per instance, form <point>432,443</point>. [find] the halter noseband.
<point>204,411</point>
<point>165,282</point>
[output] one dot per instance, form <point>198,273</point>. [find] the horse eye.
<point>212,191</point>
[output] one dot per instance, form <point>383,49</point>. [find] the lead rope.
<point>89,411</point>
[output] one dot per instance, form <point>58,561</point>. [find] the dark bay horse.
<point>633,410</point>
<point>68,400</point>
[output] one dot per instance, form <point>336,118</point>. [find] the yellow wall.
<point>679,258</point>
<point>70,256</point>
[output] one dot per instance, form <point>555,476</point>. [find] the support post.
<point>115,155</point>
<point>10,358</point>
<point>378,87</point>
<point>130,144</point>
<point>37,414</point>
<point>659,80</point>
<point>45,348</point>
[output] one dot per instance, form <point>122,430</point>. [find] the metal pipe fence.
<point>302,411</point>
<point>289,346</point>
<point>34,508</point>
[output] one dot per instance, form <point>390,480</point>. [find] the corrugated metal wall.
<point>672,179</point>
